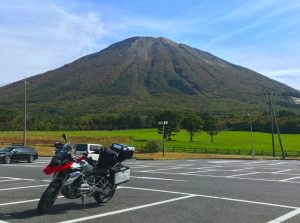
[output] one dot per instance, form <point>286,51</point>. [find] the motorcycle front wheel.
<point>48,198</point>
<point>107,193</point>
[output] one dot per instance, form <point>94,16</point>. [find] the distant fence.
<point>261,152</point>
<point>34,144</point>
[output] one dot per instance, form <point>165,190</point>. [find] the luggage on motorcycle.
<point>107,158</point>
<point>121,174</point>
<point>124,151</point>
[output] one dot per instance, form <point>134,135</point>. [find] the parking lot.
<point>166,191</point>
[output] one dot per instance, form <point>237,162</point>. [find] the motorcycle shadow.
<point>55,210</point>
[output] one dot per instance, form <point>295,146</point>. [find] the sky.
<point>37,36</point>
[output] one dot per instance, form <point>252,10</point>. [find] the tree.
<point>192,123</point>
<point>174,121</point>
<point>136,122</point>
<point>210,126</point>
<point>9,120</point>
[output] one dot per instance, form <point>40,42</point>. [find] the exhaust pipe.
<point>84,189</point>
<point>97,189</point>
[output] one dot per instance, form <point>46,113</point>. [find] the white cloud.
<point>36,37</point>
<point>291,72</point>
<point>224,36</point>
<point>277,66</point>
<point>42,37</point>
<point>248,9</point>
<point>289,76</point>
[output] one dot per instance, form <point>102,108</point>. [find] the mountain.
<point>146,74</point>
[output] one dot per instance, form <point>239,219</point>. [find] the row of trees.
<point>12,120</point>
<point>191,122</point>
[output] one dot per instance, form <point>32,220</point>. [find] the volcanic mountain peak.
<point>151,68</point>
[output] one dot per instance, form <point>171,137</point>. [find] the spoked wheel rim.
<point>7,160</point>
<point>105,195</point>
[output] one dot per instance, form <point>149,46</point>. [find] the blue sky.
<point>263,35</point>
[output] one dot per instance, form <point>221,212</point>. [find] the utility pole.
<point>25,111</point>
<point>251,130</point>
<point>278,131</point>
<point>272,123</point>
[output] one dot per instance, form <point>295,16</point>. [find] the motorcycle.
<point>78,179</point>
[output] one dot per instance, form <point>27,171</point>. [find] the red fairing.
<point>52,169</point>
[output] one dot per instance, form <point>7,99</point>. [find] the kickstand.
<point>82,200</point>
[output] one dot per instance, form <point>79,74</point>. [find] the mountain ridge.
<point>156,70</point>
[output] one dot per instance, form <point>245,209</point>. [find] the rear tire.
<point>30,159</point>
<point>8,160</point>
<point>48,198</point>
<point>107,194</point>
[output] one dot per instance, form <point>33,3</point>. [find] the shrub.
<point>151,146</point>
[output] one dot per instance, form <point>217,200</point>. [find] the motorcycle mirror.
<point>65,137</point>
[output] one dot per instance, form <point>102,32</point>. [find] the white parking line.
<point>274,164</point>
<point>17,188</point>
<point>187,195</point>
<point>171,168</point>
<point>138,166</point>
<point>207,170</point>
<point>211,166</point>
<point>21,165</point>
<point>127,209</point>
<point>228,177</point>
<point>183,165</point>
<point>282,171</point>
<point>226,161</point>
<point>292,178</point>
<point>21,202</point>
<point>243,174</point>
<point>14,179</point>
<point>7,180</point>
<point>248,168</point>
<point>286,216</point>
<point>155,178</point>
<point>213,197</point>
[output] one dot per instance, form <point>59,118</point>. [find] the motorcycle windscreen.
<point>52,169</point>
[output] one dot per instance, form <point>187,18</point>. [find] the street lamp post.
<point>251,129</point>
<point>25,111</point>
<point>163,123</point>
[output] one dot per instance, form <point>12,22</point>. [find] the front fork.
<point>57,182</point>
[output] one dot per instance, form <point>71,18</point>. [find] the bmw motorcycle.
<point>78,179</point>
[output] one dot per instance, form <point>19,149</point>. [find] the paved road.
<point>226,191</point>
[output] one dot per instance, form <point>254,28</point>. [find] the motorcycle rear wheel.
<point>47,200</point>
<point>107,193</point>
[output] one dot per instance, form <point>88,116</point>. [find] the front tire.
<point>107,194</point>
<point>30,159</point>
<point>48,198</point>
<point>8,160</point>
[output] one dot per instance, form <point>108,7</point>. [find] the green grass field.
<point>223,141</point>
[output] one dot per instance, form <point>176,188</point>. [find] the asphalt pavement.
<point>227,191</point>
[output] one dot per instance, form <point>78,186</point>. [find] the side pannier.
<point>121,174</point>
